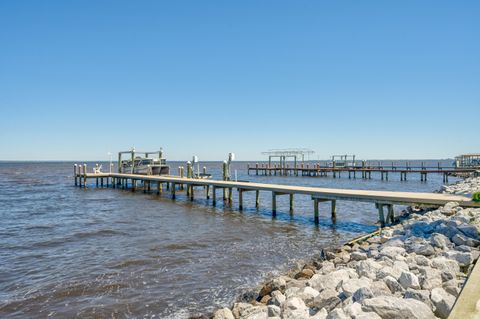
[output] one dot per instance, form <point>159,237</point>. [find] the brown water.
<point>95,253</point>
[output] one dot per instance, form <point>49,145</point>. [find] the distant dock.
<point>364,171</point>
<point>173,184</point>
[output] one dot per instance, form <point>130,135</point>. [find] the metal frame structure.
<point>468,161</point>
<point>344,160</point>
<point>133,153</point>
<point>283,154</point>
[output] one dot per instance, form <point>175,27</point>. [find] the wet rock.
<point>327,298</point>
<point>224,313</point>
<point>275,284</point>
<point>295,308</point>
<point>442,301</point>
<point>305,274</point>
<point>390,307</point>
<point>409,280</point>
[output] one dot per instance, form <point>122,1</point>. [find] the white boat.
<point>144,165</point>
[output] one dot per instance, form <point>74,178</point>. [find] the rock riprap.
<point>413,270</point>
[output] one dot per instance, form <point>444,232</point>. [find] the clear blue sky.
<point>381,79</point>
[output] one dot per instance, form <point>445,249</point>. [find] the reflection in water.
<point>69,252</point>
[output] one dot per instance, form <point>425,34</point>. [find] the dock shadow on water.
<point>69,252</point>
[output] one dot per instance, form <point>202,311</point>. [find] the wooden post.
<point>274,204</point>
<point>84,175</point>
<point>381,216</point>
<point>391,214</point>
<point>214,195</point>
<point>75,173</point>
<point>173,190</point>
<point>225,177</point>
<point>134,184</point>
<point>240,199</point>
<point>257,198</point>
<point>189,175</point>
<point>315,209</point>
<point>101,182</point>
<point>159,188</point>
<point>334,210</point>
<point>291,202</point>
<point>191,192</point>
<point>230,194</point>
<point>208,192</point>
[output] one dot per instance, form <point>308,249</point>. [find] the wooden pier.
<point>153,183</point>
<point>364,172</point>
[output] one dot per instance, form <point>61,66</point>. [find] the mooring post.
<point>207,192</point>
<point>159,188</point>
<point>191,192</point>
<point>315,209</point>
<point>173,190</point>
<point>101,182</point>
<point>134,184</point>
<point>240,199</point>
<point>381,216</point>
<point>391,214</point>
<point>225,177</point>
<point>189,175</point>
<point>84,175</point>
<point>291,203</point>
<point>274,204</point>
<point>257,198</point>
<point>75,173</point>
<point>214,195</point>
<point>334,210</point>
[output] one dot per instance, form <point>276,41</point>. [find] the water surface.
<point>69,252</point>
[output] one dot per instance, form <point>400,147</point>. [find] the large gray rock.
<point>462,258</point>
<point>390,307</point>
<point>357,256</point>
<point>224,313</point>
<point>380,288</point>
<point>368,268</point>
<point>338,314</point>
<point>277,298</point>
<point>352,285</point>
<point>445,264</point>
<point>353,309</point>
<point>469,231</point>
<point>394,272</point>
<point>255,312</point>
<point>361,294</point>
<point>332,280</point>
<point>240,308</point>
<point>368,315</point>
<point>295,308</point>
<point>393,284</point>
<point>321,314</point>
<point>442,301</point>
<point>430,278</point>
<point>274,311</point>
<point>420,295</point>
<point>327,298</point>
<point>409,280</point>
<point>391,251</point>
<point>307,294</point>
<point>440,241</point>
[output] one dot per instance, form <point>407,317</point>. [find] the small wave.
<point>133,262</point>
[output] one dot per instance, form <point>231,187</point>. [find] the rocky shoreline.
<point>414,269</point>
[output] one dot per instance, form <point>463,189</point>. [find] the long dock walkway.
<point>363,172</point>
<point>382,199</point>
